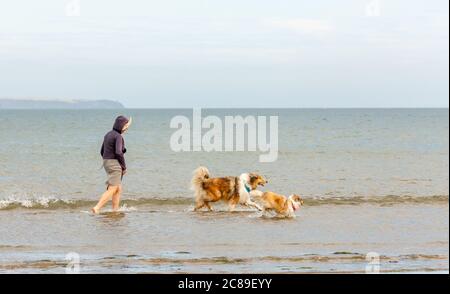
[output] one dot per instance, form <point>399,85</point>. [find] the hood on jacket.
<point>120,122</point>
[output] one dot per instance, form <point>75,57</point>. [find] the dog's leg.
<point>209,206</point>
<point>199,205</point>
<point>264,212</point>
<point>253,204</point>
<point>232,204</point>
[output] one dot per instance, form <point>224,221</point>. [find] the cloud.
<point>304,26</point>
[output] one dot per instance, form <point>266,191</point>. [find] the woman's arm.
<point>119,152</point>
<point>102,151</point>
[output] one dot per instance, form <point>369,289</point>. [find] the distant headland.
<point>30,103</point>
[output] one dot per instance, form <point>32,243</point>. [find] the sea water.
<point>374,181</point>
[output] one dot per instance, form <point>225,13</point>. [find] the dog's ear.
<point>300,199</point>
<point>296,197</point>
<point>253,176</point>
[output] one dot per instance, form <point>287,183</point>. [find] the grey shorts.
<point>113,171</point>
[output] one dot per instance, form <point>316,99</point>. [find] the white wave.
<point>31,202</point>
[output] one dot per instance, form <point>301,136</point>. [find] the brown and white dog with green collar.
<point>233,190</point>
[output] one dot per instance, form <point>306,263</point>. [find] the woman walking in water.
<point>113,150</point>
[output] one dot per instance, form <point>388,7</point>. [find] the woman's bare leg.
<point>105,198</point>
<point>116,198</point>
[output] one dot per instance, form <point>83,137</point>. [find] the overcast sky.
<point>228,53</point>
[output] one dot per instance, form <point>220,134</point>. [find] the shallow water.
<point>373,181</point>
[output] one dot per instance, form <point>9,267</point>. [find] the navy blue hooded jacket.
<point>113,144</point>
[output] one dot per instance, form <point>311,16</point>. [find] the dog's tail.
<point>200,175</point>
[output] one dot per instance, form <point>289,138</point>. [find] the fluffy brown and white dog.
<point>233,190</point>
<point>282,205</point>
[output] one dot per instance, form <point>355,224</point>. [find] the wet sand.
<point>172,239</point>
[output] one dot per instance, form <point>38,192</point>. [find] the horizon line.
<point>236,108</point>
